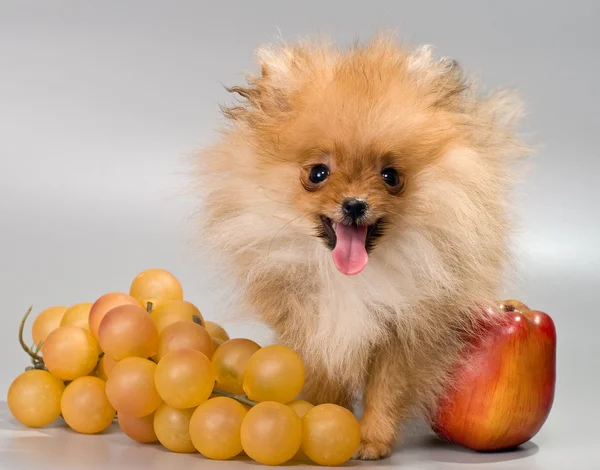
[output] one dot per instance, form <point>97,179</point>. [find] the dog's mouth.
<point>350,243</point>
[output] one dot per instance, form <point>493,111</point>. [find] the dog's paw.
<point>369,450</point>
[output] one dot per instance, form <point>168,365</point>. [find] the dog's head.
<point>351,149</point>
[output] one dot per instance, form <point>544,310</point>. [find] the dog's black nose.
<point>354,208</point>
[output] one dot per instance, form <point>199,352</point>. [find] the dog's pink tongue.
<point>349,254</point>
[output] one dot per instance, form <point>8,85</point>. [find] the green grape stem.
<point>36,359</point>
<point>241,398</point>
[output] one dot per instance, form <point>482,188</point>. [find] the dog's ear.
<point>444,77</point>
<point>281,70</point>
<point>268,93</point>
<point>278,66</point>
<point>423,64</point>
<point>453,69</point>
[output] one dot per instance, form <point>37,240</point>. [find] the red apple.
<point>513,305</point>
<point>503,388</point>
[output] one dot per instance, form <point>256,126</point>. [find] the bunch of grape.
<point>151,361</point>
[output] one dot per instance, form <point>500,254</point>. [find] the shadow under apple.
<point>421,443</point>
<point>448,452</point>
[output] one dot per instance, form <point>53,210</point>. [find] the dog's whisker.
<point>300,217</point>
<point>271,199</point>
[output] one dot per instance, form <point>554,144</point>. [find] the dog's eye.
<point>391,177</point>
<point>318,174</point>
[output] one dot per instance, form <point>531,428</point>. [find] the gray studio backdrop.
<point>101,101</point>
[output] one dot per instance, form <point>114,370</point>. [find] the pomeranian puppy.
<point>361,198</point>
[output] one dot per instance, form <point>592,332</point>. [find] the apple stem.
<point>149,306</point>
<point>241,398</point>
<point>36,359</point>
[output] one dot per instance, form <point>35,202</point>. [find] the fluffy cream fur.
<point>392,332</point>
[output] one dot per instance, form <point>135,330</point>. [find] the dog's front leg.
<point>319,388</point>
<point>385,405</point>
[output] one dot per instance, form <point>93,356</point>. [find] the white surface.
<point>60,448</point>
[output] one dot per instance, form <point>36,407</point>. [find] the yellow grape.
<point>215,428</point>
<point>184,334</point>
<point>46,322</point>
<point>271,433</point>
<point>34,398</point>
<point>77,315</point>
<point>138,429</point>
<point>184,378</point>
<point>274,373</point>
<point>330,434</point>
<point>70,352</point>
<point>156,286</point>
<point>104,367</point>
<point>128,331</point>
<point>85,407</point>
<point>216,330</point>
<point>105,303</point>
<point>172,428</point>
<point>216,342</point>
<point>301,407</point>
<point>229,363</point>
<point>130,387</point>
<point>174,311</point>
